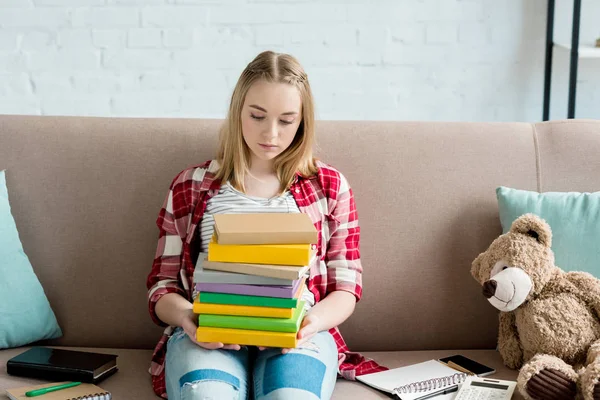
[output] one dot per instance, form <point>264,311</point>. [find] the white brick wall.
<point>472,60</point>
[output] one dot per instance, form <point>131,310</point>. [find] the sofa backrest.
<point>85,193</point>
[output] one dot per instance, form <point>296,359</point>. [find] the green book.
<point>255,323</point>
<point>244,300</point>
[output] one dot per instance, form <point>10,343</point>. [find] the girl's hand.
<point>189,326</point>
<point>309,328</point>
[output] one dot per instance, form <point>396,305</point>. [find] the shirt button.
<point>297,190</point>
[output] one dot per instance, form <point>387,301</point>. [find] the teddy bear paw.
<point>551,384</point>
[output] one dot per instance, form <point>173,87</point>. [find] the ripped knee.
<point>293,371</point>
<point>209,384</point>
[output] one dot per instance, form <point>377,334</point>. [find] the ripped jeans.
<point>194,373</point>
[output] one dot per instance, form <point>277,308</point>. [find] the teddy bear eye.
<point>505,267</point>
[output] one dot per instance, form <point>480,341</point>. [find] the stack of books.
<point>251,280</point>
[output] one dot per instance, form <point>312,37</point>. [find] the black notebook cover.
<point>62,365</point>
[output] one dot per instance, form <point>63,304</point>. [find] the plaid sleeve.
<point>164,276</point>
<point>344,269</point>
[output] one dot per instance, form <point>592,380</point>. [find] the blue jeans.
<point>194,373</point>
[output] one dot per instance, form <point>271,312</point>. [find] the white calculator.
<point>476,388</point>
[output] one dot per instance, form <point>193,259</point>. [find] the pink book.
<point>252,290</point>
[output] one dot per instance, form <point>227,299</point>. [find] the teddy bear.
<point>549,319</point>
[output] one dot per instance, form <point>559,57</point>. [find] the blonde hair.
<point>234,154</point>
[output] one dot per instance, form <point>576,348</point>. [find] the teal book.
<point>255,323</point>
<point>244,300</point>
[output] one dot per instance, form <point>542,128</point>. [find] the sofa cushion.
<point>574,218</point>
<point>132,381</point>
<point>25,314</point>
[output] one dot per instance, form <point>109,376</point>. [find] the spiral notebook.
<point>85,391</point>
<point>429,379</point>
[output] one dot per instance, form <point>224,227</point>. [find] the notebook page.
<point>393,378</point>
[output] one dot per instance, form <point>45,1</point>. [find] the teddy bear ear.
<point>476,268</point>
<point>534,226</point>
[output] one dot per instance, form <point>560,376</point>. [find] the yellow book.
<point>246,337</point>
<point>278,254</point>
<point>249,311</point>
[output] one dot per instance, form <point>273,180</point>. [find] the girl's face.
<point>271,115</point>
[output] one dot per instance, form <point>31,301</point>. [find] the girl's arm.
<point>326,314</point>
<point>175,310</point>
<point>166,297</point>
<point>332,310</point>
<point>163,279</point>
<point>344,269</point>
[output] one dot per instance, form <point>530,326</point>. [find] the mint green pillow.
<point>25,314</point>
<point>574,218</point>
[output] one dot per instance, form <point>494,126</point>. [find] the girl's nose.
<point>272,132</point>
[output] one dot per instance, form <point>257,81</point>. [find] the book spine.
<point>254,323</point>
<point>228,321</point>
<point>242,300</point>
<point>249,290</point>
<point>226,309</point>
<point>260,254</point>
<point>48,373</point>
<point>280,272</point>
<point>246,337</point>
<point>214,276</point>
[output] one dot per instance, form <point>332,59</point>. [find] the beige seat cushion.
<point>132,382</point>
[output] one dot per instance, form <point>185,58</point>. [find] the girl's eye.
<point>286,122</point>
<point>256,117</point>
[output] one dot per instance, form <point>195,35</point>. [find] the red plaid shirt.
<point>328,201</point>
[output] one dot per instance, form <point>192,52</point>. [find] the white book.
<point>429,379</point>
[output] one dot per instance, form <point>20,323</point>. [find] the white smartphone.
<point>470,365</point>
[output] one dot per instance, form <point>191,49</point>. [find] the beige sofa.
<point>86,192</point>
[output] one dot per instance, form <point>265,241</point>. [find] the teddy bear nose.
<point>489,288</point>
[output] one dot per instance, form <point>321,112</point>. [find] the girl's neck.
<point>261,180</point>
<point>261,168</point>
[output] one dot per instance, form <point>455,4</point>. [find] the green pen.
<point>38,392</point>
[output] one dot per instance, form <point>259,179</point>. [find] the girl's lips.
<point>267,146</point>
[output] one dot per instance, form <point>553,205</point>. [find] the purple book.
<point>251,290</point>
